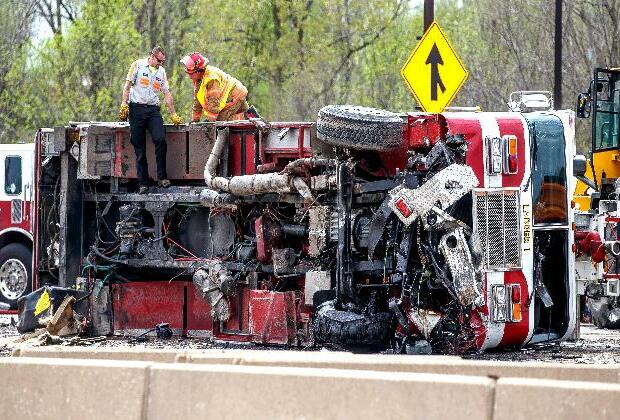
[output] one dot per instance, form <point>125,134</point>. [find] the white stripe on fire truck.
<point>527,252</point>
<point>490,128</point>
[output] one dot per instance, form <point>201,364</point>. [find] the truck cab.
<point>552,150</point>
<point>601,102</point>
<point>16,196</point>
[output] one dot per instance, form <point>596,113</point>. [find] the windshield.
<point>549,182</point>
<point>607,102</point>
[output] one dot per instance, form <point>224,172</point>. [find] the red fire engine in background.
<point>16,195</point>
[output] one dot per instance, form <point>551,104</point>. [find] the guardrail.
<point>152,384</point>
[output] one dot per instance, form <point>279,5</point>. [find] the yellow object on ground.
<point>43,303</point>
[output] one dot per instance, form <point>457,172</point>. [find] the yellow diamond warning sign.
<point>434,72</point>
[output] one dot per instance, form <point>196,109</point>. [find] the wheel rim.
<point>13,279</point>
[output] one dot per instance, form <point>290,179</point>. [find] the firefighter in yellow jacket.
<point>218,95</point>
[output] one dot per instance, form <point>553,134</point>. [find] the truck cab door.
<point>551,138</point>
<point>605,98</point>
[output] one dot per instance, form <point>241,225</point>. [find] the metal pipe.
<point>249,184</point>
<point>294,230</point>
<point>212,198</point>
<point>303,189</point>
<point>310,163</point>
<point>215,155</point>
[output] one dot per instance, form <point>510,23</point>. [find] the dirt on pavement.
<point>595,346</point>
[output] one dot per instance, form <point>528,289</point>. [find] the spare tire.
<point>358,127</point>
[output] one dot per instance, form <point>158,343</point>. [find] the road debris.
<point>53,309</point>
<point>63,327</point>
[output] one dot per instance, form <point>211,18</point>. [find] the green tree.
<point>294,56</point>
<point>16,18</point>
<point>78,75</point>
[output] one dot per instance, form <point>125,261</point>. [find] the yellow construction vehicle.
<point>602,100</point>
<point>597,201</point>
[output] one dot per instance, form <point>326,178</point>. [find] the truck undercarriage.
<point>364,229</point>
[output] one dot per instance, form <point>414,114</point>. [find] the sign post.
<point>433,72</point>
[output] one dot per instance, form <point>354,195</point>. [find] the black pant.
<point>142,118</point>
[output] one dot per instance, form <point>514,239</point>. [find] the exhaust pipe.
<point>250,184</point>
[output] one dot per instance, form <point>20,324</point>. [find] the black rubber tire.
<point>360,128</point>
<point>348,329</point>
<point>20,252</point>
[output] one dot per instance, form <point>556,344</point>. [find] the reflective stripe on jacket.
<point>218,90</point>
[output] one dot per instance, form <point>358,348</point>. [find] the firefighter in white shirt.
<point>140,103</point>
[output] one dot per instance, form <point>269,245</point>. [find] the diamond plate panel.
<point>445,187</point>
<point>16,211</point>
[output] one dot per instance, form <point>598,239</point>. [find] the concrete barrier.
<point>218,356</point>
<point>72,389</point>
<point>527,399</point>
<point>217,391</point>
<point>138,354</point>
<point>450,365</point>
<point>102,389</point>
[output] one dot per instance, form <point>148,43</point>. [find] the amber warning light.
<point>511,157</point>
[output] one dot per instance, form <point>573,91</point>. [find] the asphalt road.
<point>594,346</point>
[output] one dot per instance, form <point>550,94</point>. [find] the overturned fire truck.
<point>366,228</point>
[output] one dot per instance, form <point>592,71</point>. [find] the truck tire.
<point>15,273</point>
<point>349,329</point>
<point>360,128</point>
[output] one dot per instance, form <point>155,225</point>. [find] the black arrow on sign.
<point>434,59</point>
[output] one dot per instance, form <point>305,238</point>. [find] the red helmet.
<point>194,62</point>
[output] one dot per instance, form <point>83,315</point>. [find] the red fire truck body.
<point>519,280</point>
<point>452,231</point>
<point>16,194</point>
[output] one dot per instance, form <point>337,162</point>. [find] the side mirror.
<point>579,165</point>
<point>583,105</point>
